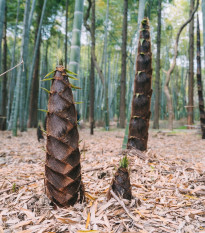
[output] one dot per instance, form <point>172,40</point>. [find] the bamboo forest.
<point>102,118</point>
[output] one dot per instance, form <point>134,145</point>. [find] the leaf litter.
<point>168,185</point>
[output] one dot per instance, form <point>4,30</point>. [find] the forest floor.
<point>168,185</point>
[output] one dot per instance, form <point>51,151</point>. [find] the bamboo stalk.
<point>199,82</point>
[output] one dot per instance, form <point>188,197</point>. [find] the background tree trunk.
<point>2,10</point>
<point>2,14</point>
<point>123,67</point>
<point>169,72</point>
<point>31,13</point>
<point>76,34</point>
<point>4,85</point>
<point>203,15</point>
<point>199,82</point>
<point>23,110</point>
<point>33,83</point>
<point>190,108</point>
<point>106,83</point>
<point>12,81</point>
<point>92,70</point>
<point>94,63</point>
<point>157,79</point>
<point>97,67</point>
<point>66,34</point>
<point>19,84</point>
<point>33,105</point>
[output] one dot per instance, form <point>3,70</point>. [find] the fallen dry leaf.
<point>22,224</point>
<point>170,165</point>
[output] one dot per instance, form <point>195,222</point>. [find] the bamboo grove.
<point>44,33</point>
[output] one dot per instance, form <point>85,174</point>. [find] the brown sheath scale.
<point>62,169</point>
<point>140,115</point>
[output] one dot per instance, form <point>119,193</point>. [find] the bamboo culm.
<point>12,81</point>
<point>199,82</point>
<point>157,78</point>
<point>2,10</point>
<point>203,14</point>
<point>123,67</point>
<point>34,60</point>
<point>75,44</point>
<point>19,84</point>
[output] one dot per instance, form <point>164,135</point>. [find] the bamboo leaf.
<point>72,77</point>
<point>88,220</point>
<point>49,73</point>
<point>43,149</point>
<point>96,231</point>
<point>92,198</point>
<point>124,162</point>
<point>14,187</point>
<point>66,220</point>
<point>144,21</point>
<point>44,131</point>
<point>43,110</point>
<point>46,79</point>
<point>70,72</point>
<point>45,90</point>
<point>79,102</point>
<point>74,87</point>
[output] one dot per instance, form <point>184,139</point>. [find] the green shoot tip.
<point>124,162</point>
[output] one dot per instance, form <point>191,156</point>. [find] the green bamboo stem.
<point>76,34</point>
<point>20,84</point>
<point>33,63</point>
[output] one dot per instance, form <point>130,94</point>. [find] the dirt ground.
<point>168,185</point>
